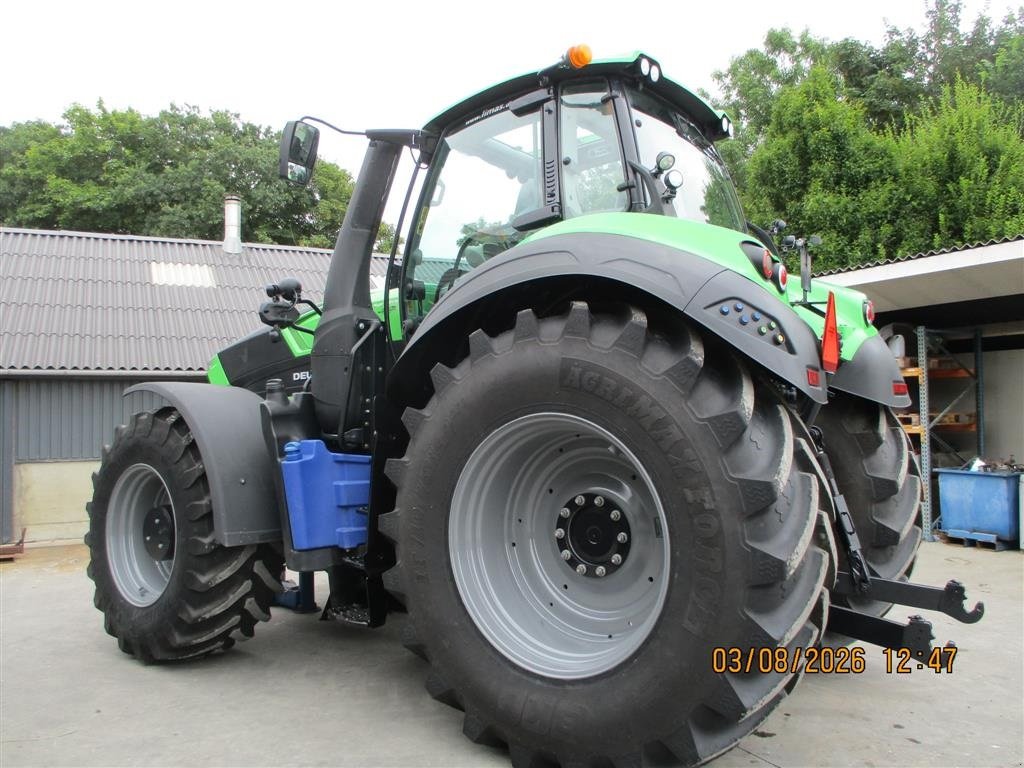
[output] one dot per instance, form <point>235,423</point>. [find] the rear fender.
<point>717,299</point>
<point>225,423</point>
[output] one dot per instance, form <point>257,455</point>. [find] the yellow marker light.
<point>579,56</point>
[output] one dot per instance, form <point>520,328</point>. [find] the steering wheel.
<point>452,274</point>
<point>502,240</point>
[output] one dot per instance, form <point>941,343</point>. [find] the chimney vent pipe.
<point>232,224</point>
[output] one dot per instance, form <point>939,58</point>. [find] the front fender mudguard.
<point>225,423</point>
<point>717,299</point>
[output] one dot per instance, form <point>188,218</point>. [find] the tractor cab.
<point>577,139</point>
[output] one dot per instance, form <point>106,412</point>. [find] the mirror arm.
<point>311,305</point>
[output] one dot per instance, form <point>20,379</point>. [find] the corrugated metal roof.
<point>911,257</point>
<point>92,302</point>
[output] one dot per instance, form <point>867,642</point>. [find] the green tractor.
<point>622,474</point>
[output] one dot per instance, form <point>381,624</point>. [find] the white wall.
<point>1004,404</point>
<point>50,499</point>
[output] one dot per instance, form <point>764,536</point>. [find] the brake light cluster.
<point>766,265</point>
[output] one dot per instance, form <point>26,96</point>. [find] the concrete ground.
<point>306,692</point>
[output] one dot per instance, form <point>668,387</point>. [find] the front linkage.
<point>916,635</point>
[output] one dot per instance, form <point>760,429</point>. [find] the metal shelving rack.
<point>928,424</point>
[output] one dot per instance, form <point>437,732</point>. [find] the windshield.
<point>707,194</point>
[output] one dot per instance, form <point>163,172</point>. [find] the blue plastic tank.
<point>328,495</point>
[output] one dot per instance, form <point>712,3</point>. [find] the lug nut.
<point>566,554</point>
<point>616,559</point>
<point>579,500</point>
<point>615,515</point>
<point>622,538</point>
<point>599,501</point>
<point>600,571</point>
<point>564,512</point>
<point>559,533</point>
<point>581,569</point>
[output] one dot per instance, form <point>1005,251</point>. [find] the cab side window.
<point>592,171</point>
<point>485,175</point>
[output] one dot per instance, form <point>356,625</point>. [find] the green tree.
<point>119,171</point>
<point>960,171</point>
<point>386,238</point>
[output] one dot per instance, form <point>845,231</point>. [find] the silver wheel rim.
<point>529,603</point>
<point>140,578</point>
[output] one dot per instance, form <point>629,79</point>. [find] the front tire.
<point>166,588</point>
<point>719,498</point>
<point>878,475</point>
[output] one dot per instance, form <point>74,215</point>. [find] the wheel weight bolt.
<point>615,515</point>
<point>616,559</point>
<point>566,554</point>
<point>579,501</point>
<point>599,501</point>
<point>622,538</point>
<point>600,571</point>
<point>564,512</point>
<point>581,569</point>
<point>559,533</point>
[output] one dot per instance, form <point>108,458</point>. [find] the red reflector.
<point>813,377</point>
<point>899,388</point>
<point>830,338</point>
<point>767,265</point>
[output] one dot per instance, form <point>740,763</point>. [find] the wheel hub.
<point>158,533</point>
<point>593,535</point>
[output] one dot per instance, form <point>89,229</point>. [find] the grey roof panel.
<point>912,256</point>
<point>87,301</point>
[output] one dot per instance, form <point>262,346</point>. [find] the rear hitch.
<point>861,582</point>
<point>916,635</point>
<point>860,577</point>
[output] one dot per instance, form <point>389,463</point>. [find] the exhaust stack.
<point>232,224</point>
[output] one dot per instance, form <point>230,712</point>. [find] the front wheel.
<point>878,475</point>
<point>588,507</point>
<point>166,588</point>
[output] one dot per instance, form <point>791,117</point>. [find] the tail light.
<point>781,276</point>
<point>869,312</point>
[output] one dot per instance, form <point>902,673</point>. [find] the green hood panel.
<point>716,244</point>
<point>215,373</point>
<point>853,328</point>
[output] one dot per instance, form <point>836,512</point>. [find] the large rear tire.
<point>166,588</point>
<point>878,475</point>
<point>719,502</point>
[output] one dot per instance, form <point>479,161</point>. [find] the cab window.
<point>707,194</point>
<point>592,172</point>
<point>485,175</point>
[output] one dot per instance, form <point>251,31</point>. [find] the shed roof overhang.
<point>986,272</point>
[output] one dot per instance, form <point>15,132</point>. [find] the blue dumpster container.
<point>980,502</point>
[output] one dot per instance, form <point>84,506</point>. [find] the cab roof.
<point>711,121</point>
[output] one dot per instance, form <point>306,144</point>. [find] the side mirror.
<point>299,144</point>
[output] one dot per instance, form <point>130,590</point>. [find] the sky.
<point>369,65</point>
